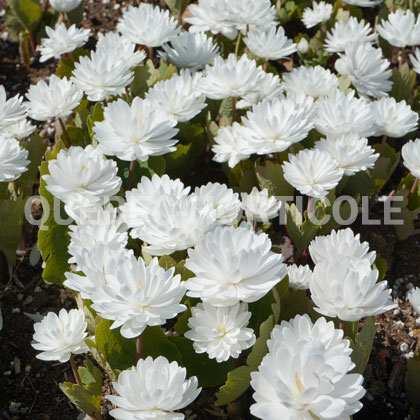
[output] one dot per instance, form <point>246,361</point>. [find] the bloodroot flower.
<point>299,276</point>
<point>58,337</point>
<point>270,44</point>
<point>57,99</point>
<point>11,110</point>
<point>312,172</point>
<point>135,131</point>
<point>220,331</point>
<point>231,265</point>
<point>340,243</point>
<point>259,207</point>
<point>62,40</point>
<point>231,79</point>
<point>401,28</point>
<point>82,177</point>
<point>319,13</point>
<point>275,125</point>
<point>414,298</point>
<point>393,119</point>
<point>139,295</point>
<point>153,390</point>
<point>190,50</point>
<point>13,159</point>
<point>148,25</point>
<point>65,6</point>
<point>351,152</point>
<point>347,288</point>
<point>411,157</point>
<point>305,374</point>
<point>179,96</point>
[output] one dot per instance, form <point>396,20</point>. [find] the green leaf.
<point>36,148</point>
<point>183,271</point>
<point>53,239</point>
<point>12,217</point>
<point>156,343</point>
<point>91,377</point>
<point>412,380</point>
<point>97,115</point>
<point>236,384</point>
<point>118,351</point>
<point>384,167</point>
<point>270,176</point>
<point>409,207</point>
<point>403,82</point>
<point>301,232</point>
<point>360,184</point>
<point>181,326</point>
<point>381,265</point>
<point>27,12</point>
<point>66,65</point>
<point>182,161</point>
<point>144,78</point>
<point>362,346</point>
<point>246,182</point>
<point>166,71</point>
<point>13,24</point>
<point>177,7</point>
<point>167,262</point>
<point>260,349</point>
<point>208,371</point>
<point>85,400</point>
<point>75,16</point>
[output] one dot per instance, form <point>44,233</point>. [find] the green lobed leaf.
<point>384,167</point>
<point>66,65</point>
<point>403,79</point>
<point>381,265</point>
<point>118,351</point>
<point>236,384</point>
<point>156,343</point>
<point>91,377</point>
<point>53,239</point>
<point>208,371</point>
<point>362,345</point>
<point>12,217</point>
<point>36,148</point>
<point>270,176</point>
<point>144,78</point>
<point>85,400</point>
<point>27,12</point>
<point>412,380</point>
<point>301,232</point>
<point>75,16</point>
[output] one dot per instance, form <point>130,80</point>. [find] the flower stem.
<point>238,43</point>
<point>265,65</point>
<point>75,371</point>
<point>65,133</point>
<point>139,347</point>
<point>131,173</point>
<point>255,225</point>
<point>241,167</point>
<point>151,53</point>
<point>414,187</point>
<point>234,109</point>
<point>402,61</point>
<point>383,145</point>
<point>127,94</point>
<point>310,199</point>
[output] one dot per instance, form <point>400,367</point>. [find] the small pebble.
<point>403,347</point>
<point>397,312</point>
<point>15,310</point>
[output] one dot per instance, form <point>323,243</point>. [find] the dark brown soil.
<point>30,386</point>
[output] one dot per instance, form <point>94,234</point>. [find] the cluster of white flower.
<point>316,132</point>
